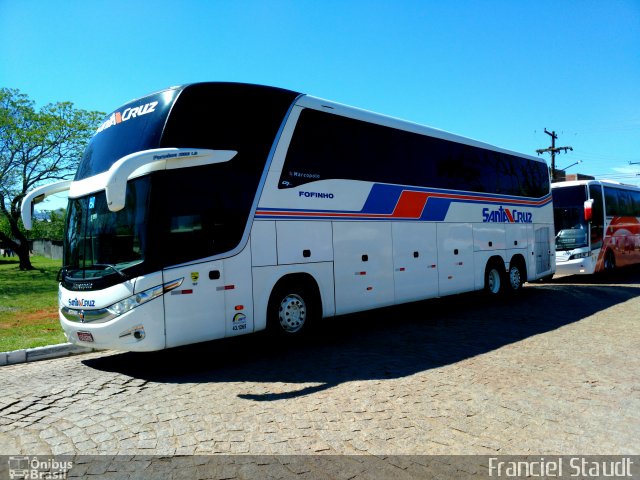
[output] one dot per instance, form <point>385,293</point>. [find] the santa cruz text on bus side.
<point>504,215</point>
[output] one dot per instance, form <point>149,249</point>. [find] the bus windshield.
<point>100,242</point>
<point>568,215</point>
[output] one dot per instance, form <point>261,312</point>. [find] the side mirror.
<point>37,195</point>
<point>588,210</point>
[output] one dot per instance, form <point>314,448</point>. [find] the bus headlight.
<point>579,255</point>
<point>138,299</point>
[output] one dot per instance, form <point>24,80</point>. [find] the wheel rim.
<point>515,278</point>
<point>493,281</point>
<point>292,313</point>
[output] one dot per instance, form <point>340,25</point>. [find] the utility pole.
<point>553,150</point>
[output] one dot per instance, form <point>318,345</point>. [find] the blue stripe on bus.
<point>383,201</point>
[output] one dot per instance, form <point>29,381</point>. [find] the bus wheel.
<point>493,279</point>
<point>516,276</point>
<point>609,261</point>
<point>291,310</point>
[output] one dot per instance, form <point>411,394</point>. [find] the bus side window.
<point>327,146</point>
<point>597,220</point>
<point>611,200</point>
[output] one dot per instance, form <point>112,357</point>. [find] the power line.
<point>612,126</point>
<point>600,156</point>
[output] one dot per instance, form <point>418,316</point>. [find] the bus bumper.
<point>139,330</point>
<point>579,266</point>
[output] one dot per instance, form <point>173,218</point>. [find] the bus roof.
<point>610,183</point>
<point>309,101</point>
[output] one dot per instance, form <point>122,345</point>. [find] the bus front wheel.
<point>291,310</point>
<point>609,261</point>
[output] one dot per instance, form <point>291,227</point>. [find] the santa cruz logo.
<point>75,302</point>
<point>127,114</point>
<point>505,215</point>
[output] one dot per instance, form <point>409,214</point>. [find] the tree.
<point>36,147</point>
<point>50,226</point>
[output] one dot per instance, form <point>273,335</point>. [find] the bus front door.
<point>195,311</point>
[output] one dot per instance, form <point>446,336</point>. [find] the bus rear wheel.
<point>516,277</point>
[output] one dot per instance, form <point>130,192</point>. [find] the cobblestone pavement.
<point>554,371</point>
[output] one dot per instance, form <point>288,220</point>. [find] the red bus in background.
<point>597,226</point>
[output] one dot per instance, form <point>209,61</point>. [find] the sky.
<point>498,71</point>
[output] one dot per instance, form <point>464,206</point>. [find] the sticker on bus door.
<point>239,322</point>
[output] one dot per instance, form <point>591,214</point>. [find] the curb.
<point>41,353</point>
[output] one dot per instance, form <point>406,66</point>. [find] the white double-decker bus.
<point>597,226</point>
<point>217,209</point>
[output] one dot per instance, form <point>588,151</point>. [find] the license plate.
<point>85,336</point>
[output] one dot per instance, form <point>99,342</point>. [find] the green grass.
<point>29,304</point>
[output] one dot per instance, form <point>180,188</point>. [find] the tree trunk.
<point>20,248</point>
<point>22,251</point>
<point>19,243</point>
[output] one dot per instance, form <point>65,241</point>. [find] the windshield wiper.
<point>112,267</point>
<point>64,270</point>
